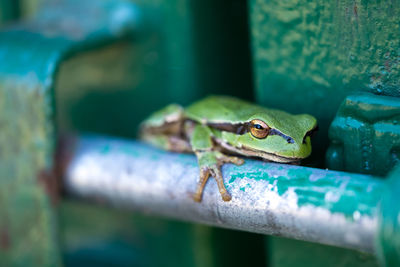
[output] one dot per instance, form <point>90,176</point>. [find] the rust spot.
<point>48,181</point>
<point>52,179</point>
<point>5,241</point>
<point>64,152</point>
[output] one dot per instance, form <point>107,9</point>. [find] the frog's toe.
<point>197,197</point>
<point>204,174</point>
<point>226,196</point>
<point>210,163</point>
<point>216,173</point>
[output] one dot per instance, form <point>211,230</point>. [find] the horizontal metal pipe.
<point>309,204</point>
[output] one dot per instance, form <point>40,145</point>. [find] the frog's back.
<point>217,109</point>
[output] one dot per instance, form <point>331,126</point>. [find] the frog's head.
<point>276,136</point>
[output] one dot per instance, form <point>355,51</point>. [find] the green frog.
<point>218,128</point>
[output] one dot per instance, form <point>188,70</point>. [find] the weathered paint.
<point>26,218</point>
<point>388,238</point>
<point>298,202</point>
<point>365,134</point>
<point>344,195</point>
<point>30,54</point>
<point>309,55</point>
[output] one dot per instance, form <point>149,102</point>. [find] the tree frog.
<point>218,127</point>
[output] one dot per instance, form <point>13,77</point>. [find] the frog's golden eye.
<point>259,129</point>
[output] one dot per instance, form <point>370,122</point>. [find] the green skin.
<point>217,125</point>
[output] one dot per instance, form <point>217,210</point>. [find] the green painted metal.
<point>289,252</point>
<point>388,238</point>
<point>30,55</point>
<point>26,219</point>
<point>312,191</point>
<point>328,201</point>
<point>310,204</point>
<point>365,134</point>
<point>308,56</point>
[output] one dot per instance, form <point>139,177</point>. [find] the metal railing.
<point>316,205</point>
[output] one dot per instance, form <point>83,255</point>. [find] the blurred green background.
<point>300,56</point>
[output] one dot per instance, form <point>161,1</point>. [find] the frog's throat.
<point>248,152</point>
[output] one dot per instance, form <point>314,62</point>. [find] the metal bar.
<point>328,207</point>
<point>31,53</point>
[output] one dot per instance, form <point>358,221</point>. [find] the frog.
<point>223,129</point>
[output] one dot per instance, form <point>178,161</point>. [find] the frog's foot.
<point>210,163</point>
<point>204,175</point>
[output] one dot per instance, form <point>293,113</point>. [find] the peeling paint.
<point>310,204</point>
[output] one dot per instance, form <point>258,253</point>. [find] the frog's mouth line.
<point>245,151</point>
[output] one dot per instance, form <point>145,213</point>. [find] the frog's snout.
<point>303,149</point>
<point>310,133</point>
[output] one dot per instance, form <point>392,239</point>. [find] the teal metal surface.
<point>365,134</point>
<point>293,201</point>
<point>388,238</point>
<point>308,56</point>
<point>30,55</point>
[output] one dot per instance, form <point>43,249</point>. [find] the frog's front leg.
<point>210,161</point>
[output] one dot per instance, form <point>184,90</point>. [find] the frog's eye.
<point>259,129</point>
